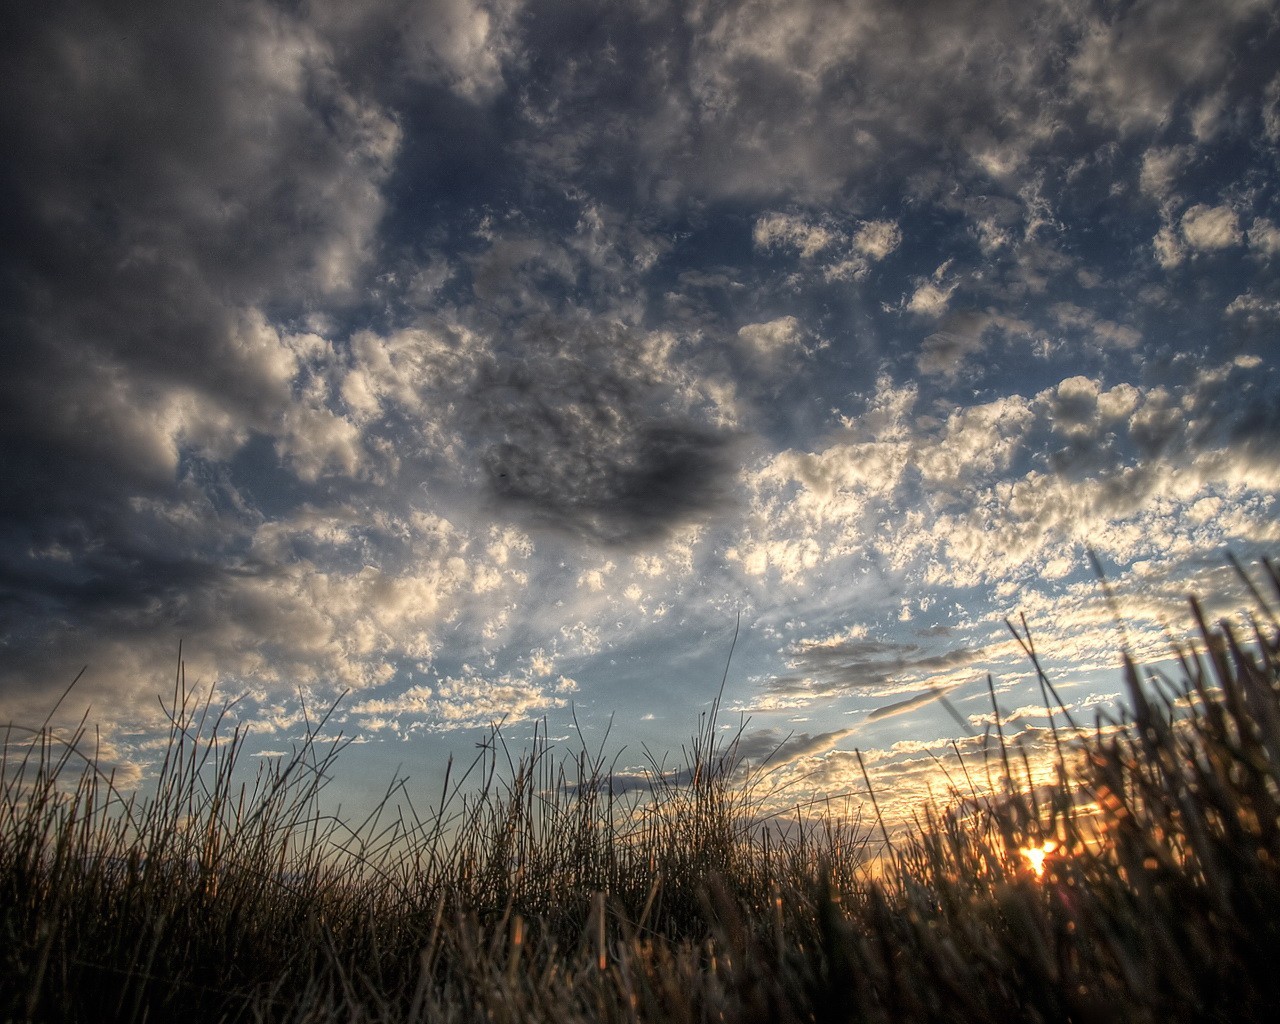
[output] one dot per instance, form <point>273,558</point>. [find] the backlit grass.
<point>1144,885</point>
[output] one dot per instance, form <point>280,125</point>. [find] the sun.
<point>1035,855</point>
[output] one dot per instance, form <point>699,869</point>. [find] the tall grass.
<point>536,888</point>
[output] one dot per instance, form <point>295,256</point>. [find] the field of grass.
<point>531,891</point>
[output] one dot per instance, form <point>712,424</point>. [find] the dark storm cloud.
<point>585,430</point>
<point>635,489</point>
<point>170,168</point>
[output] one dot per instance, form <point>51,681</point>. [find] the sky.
<point>493,360</point>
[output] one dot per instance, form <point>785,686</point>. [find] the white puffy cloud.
<point>979,440</point>
<point>1254,307</point>
<point>966,500</point>
<point>1169,250</point>
<point>473,699</point>
<point>1161,166</point>
<point>1211,227</point>
<point>871,242</point>
<point>1264,237</point>
<point>875,239</point>
<point>930,298</point>
<point>778,229</point>
<point>771,340</point>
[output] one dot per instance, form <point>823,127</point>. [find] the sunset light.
<point>648,491</point>
<point>1035,856</point>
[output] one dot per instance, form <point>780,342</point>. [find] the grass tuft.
<point>1141,884</point>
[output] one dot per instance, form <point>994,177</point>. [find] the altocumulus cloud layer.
<point>468,355</point>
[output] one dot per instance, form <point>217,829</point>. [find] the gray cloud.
<point>767,749</point>
<point>461,44</point>
<point>174,167</point>
<point>901,707</point>
<point>582,429</point>
<point>962,336</point>
<point>799,97</point>
<point>824,670</point>
<point>167,182</point>
<point>773,747</point>
<point>1132,67</point>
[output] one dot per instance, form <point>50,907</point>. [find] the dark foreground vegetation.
<point>541,896</point>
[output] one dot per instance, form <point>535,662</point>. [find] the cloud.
<point>469,701</point>
<point>778,229</point>
<point>875,239</point>
<point>839,666</point>
<point>962,335</point>
<point>264,607</point>
<point>207,162</point>
<point>774,748</point>
<point>221,107</point>
<point>930,297</point>
<point>1254,308</point>
<point>582,429</point>
<point>901,707</point>
<point>798,98</point>
<point>770,750</point>
<point>407,372</point>
<point>463,44</point>
<point>871,243</point>
<point>1161,166</point>
<point>1271,110</point>
<point>431,349</point>
<point>914,774</point>
<point>1106,333</point>
<point>1205,228</point>
<point>1169,250</point>
<point>1016,485</point>
<point>1208,115</point>
<point>1131,68</point>
<point>770,341</point>
<point>1264,237</point>
<point>1211,227</point>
